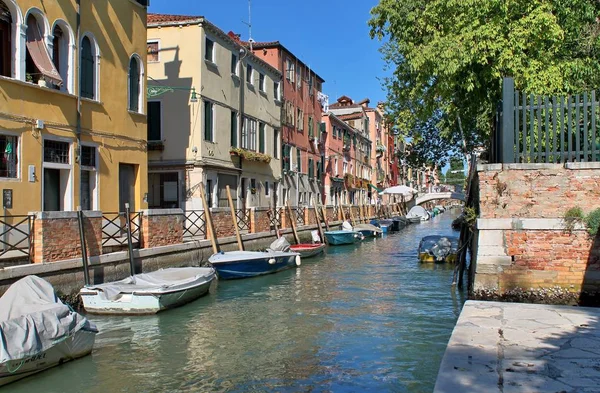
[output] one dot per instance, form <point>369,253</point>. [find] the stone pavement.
<point>513,347</point>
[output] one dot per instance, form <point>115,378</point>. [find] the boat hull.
<point>144,302</point>
<point>337,238</point>
<point>385,228</point>
<point>308,250</point>
<point>425,257</point>
<point>367,232</point>
<point>76,346</point>
<point>257,266</point>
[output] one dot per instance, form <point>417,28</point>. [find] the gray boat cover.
<point>159,281</point>
<point>367,227</point>
<point>417,211</point>
<point>280,244</point>
<point>33,319</point>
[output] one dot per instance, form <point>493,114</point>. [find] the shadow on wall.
<point>590,287</point>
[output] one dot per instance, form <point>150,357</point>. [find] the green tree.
<point>450,56</point>
<point>455,175</point>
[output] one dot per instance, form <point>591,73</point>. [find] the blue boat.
<point>336,238</point>
<point>244,264</point>
<point>368,230</point>
<point>389,224</point>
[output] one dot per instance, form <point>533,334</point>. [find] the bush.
<point>592,222</point>
<point>573,216</point>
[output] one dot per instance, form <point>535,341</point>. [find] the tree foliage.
<point>448,59</point>
<point>456,173</point>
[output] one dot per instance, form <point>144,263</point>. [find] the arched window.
<point>87,82</point>
<point>62,54</point>
<point>39,67</point>
<point>5,40</point>
<point>135,84</point>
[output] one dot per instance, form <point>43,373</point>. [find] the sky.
<point>330,36</point>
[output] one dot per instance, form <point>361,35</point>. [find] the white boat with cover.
<point>38,331</point>
<point>148,293</point>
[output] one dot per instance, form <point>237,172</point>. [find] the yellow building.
<point>72,107</point>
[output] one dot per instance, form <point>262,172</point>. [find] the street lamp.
<point>158,90</point>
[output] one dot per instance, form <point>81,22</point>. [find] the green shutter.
<point>234,128</point>
<point>299,159</point>
<point>311,132</point>
<point>261,137</point>
<point>310,168</point>
<point>208,120</point>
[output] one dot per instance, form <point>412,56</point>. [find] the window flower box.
<point>250,155</point>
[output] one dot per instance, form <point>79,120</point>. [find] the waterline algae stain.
<point>361,318</point>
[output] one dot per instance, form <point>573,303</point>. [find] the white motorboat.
<point>148,293</point>
<point>38,331</point>
<point>418,213</point>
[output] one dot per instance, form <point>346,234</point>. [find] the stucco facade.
<point>235,108</point>
<point>302,142</point>
<point>62,151</point>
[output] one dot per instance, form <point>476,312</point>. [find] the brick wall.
<point>222,222</point>
<point>162,227</point>
<point>259,220</point>
<point>56,235</point>
<point>522,242</point>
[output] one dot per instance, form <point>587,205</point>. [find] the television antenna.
<point>249,24</point>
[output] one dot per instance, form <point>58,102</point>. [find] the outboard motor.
<point>346,226</point>
<point>280,244</point>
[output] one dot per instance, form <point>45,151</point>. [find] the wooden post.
<point>343,212</point>
<point>321,234</point>
<point>273,215</point>
<point>352,221</point>
<point>208,217</point>
<point>324,212</point>
<point>234,219</point>
<point>292,222</point>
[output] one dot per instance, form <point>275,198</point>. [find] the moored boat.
<point>389,224</point>
<point>148,293</point>
<point>438,249</point>
<point>336,238</point>
<point>418,212</point>
<point>308,250</point>
<point>368,230</point>
<point>244,264</point>
<point>39,331</point>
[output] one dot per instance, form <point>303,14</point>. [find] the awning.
<point>39,53</point>
<point>375,188</point>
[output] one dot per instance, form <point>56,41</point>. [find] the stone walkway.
<point>513,347</point>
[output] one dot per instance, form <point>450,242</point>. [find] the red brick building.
<point>302,145</point>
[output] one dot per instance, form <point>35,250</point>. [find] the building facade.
<point>357,165</point>
<point>302,143</point>
<point>72,105</point>
<point>214,117</point>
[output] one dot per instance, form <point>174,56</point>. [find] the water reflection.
<point>365,317</point>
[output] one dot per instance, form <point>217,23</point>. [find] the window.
<point>261,82</point>
<point>87,83</point>
<point>89,178</point>
<point>209,193</point>
<point>209,49</point>
<point>249,134</point>
<point>154,121</point>
<point>335,168</point>
<point>298,77</point>
<point>9,162</point>
<point>233,129</point>
<point>62,55</point>
<point>249,75</point>
<point>289,70</point>
<point>152,51</point>
<point>266,188</point>
<point>319,170</point>
<point>311,168</point>
<point>88,156</point>
<point>234,64</point>
<point>135,84</point>
<point>310,85</point>
<point>208,121</point>
<point>39,67</point>
<point>276,143</point>
<point>6,28</point>
<point>299,160</point>
<point>311,131</point>
<point>56,152</point>
<point>300,117</point>
<point>276,91</point>
<point>261,138</point>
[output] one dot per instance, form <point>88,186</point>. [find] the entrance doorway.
<point>127,174</point>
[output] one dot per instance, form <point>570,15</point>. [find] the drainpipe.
<point>78,124</point>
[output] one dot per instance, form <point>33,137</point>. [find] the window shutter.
<point>261,138</point>
<point>134,85</point>
<point>87,69</point>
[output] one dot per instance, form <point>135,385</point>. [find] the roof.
<point>277,44</point>
<point>157,19</point>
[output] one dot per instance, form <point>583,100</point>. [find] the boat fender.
<point>298,261</point>
<point>272,261</point>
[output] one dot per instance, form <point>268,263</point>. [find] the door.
<point>223,181</point>
<point>52,189</point>
<point>86,195</point>
<point>126,186</point>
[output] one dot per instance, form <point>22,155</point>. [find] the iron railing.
<point>275,217</point>
<point>194,225</point>
<point>546,129</point>
<point>16,236</point>
<point>243,219</point>
<point>300,215</point>
<point>114,229</point>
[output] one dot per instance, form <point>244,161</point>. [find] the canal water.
<point>364,318</point>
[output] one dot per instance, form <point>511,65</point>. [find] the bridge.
<point>434,196</point>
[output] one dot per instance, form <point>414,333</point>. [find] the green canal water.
<point>364,318</point>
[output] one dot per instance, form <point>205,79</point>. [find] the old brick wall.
<point>260,220</point>
<point>222,222</point>
<point>522,241</point>
<point>162,227</point>
<point>56,236</point>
